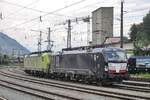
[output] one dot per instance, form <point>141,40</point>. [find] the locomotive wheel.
<point>90,81</point>
<point>102,83</point>
<point>99,84</point>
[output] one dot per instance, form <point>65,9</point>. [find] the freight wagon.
<point>139,64</point>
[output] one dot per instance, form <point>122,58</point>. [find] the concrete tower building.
<point>102,24</point>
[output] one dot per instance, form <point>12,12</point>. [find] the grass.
<point>141,75</point>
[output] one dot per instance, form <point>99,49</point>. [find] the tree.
<point>141,44</point>
<point>141,40</point>
<point>133,32</point>
<point>135,28</point>
<point>140,35</point>
<point>146,24</point>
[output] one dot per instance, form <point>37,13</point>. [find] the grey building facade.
<point>102,24</point>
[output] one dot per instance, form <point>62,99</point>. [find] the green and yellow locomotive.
<point>37,63</point>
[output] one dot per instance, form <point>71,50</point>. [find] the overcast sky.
<point>21,19</point>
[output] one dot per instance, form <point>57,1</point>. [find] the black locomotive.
<point>100,65</point>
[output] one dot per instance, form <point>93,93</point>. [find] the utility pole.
<point>87,20</point>
<point>39,42</point>
<point>69,34</point>
<point>88,32</point>
<point>48,39</point>
<point>84,19</point>
<point>121,25</point>
<point>1,16</point>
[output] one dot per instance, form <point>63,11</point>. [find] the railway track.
<point>47,95</point>
<point>132,87</point>
<point>137,83</point>
<point>36,92</point>
<point>127,85</point>
<point>1,98</point>
<point>85,89</point>
<point>132,83</point>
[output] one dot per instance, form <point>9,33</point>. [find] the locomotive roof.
<point>95,50</point>
<point>46,51</point>
<point>38,54</point>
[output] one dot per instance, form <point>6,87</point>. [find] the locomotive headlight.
<point>106,68</point>
<point>111,64</point>
<point>124,66</point>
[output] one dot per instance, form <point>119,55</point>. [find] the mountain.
<point>10,46</point>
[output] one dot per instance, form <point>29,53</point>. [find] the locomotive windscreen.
<point>116,55</point>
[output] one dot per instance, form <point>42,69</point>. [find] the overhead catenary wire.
<point>138,16</point>
<point>38,17</point>
<point>22,7</point>
<point>47,14</point>
<point>87,6</point>
<point>18,5</point>
<point>27,7</point>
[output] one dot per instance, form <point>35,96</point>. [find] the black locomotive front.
<point>116,67</point>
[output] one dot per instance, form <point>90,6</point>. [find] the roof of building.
<point>114,40</point>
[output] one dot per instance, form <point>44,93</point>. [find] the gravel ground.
<point>15,95</point>
<point>73,93</point>
<point>109,89</point>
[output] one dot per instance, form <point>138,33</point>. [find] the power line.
<point>22,7</point>
<point>88,6</point>
<point>26,7</point>
<point>64,7</point>
<point>115,24</point>
<point>137,10</point>
<point>84,19</point>
<point>47,14</point>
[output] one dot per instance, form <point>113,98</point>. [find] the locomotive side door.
<point>54,64</point>
<point>100,65</point>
